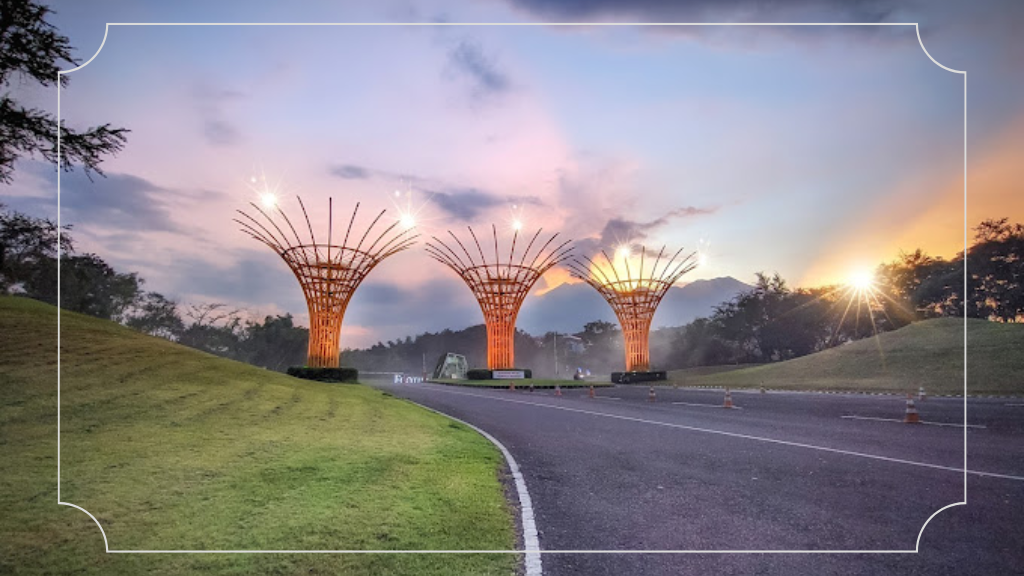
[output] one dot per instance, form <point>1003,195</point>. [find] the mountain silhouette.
<point>568,307</point>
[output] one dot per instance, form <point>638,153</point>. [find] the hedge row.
<point>632,377</point>
<point>342,374</point>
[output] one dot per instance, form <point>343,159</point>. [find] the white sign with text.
<point>508,374</point>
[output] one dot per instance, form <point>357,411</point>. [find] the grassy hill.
<point>928,353</point>
<point>174,449</point>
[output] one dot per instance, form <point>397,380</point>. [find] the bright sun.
<point>862,280</point>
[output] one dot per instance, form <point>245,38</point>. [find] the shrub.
<point>342,374</point>
<point>635,377</point>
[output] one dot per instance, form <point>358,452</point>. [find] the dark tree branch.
<point>33,48</point>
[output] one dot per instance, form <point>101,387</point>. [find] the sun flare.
<point>862,280</point>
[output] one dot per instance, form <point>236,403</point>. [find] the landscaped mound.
<point>174,449</point>
<point>928,353</point>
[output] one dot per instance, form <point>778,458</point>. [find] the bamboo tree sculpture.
<point>634,294</point>
<point>328,273</point>
<point>500,285</point>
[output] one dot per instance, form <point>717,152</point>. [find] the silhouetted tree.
<point>154,314</point>
<point>33,49</point>
<point>28,254</point>
<point>91,286</point>
<point>276,343</point>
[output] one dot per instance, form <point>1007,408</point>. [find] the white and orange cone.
<point>728,399</point>
<point>920,393</point>
<point>511,385</point>
<point>650,395</point>
<point>558,390</point>
<point>591,391</point>
<point>911,417</point>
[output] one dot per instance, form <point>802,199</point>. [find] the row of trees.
<point>28,266</point>
<point>770,322</point>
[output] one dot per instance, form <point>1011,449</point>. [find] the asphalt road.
<point>784,471</point>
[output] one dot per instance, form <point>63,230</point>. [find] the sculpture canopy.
<point>499,283</point>
<point>634,294</point>
<point>328,273</point>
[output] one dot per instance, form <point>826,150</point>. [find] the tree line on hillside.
<point>768,323</point>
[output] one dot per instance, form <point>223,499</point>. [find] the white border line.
<point>706,405</point>
<point>638,25</point>
<point>744,436</point>
<point>872,418</point>
<point>531,540</point>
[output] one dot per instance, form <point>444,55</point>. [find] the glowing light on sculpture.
<point>634,292</point>
<point>328,273</point>
<point>410,213</point>
<point>500,283</point>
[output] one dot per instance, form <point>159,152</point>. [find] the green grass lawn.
<point>173,449</point>
<point>525,383</point>
<point>928,353</point>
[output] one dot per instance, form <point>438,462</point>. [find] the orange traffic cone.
<point>558,390</point>
<point>920,394</point>
<point>591,390</point>
<point>650,395</point>
<point>511,385</point>
<point>911,416</point>
<point>728,399</point>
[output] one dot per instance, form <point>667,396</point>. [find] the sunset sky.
<point>813,151</point>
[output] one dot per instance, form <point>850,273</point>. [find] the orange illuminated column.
<point>500,283</point>
<point>634,293</point>
<point>328,273</point>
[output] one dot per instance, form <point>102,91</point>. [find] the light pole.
<point>554,340</point>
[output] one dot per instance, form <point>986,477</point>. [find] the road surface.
<point>783,471</point>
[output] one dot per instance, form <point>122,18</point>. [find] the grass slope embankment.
<point>928,353</point>
<point>174,449</point>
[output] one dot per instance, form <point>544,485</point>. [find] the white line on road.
<point>707,405</point>
<point>919,422</point>
<point>531,541</point>
<point>744,436</point>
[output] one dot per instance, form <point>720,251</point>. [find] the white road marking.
<point>707,405</point>
<point>920,422</point>
<point>744,436</point>
<point>1015,404</point>
<point>531,541</point>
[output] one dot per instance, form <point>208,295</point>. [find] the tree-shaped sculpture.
<point>634,294</point>
<point>328,273</point>
<point>500,286</point>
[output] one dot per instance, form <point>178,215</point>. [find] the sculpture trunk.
<point>636,332</point>
<point>501,335</point>
<point>324,339</point>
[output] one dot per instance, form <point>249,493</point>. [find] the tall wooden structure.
<point>634,295</point>
<point>500,284</point>
<point>328,273</point>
